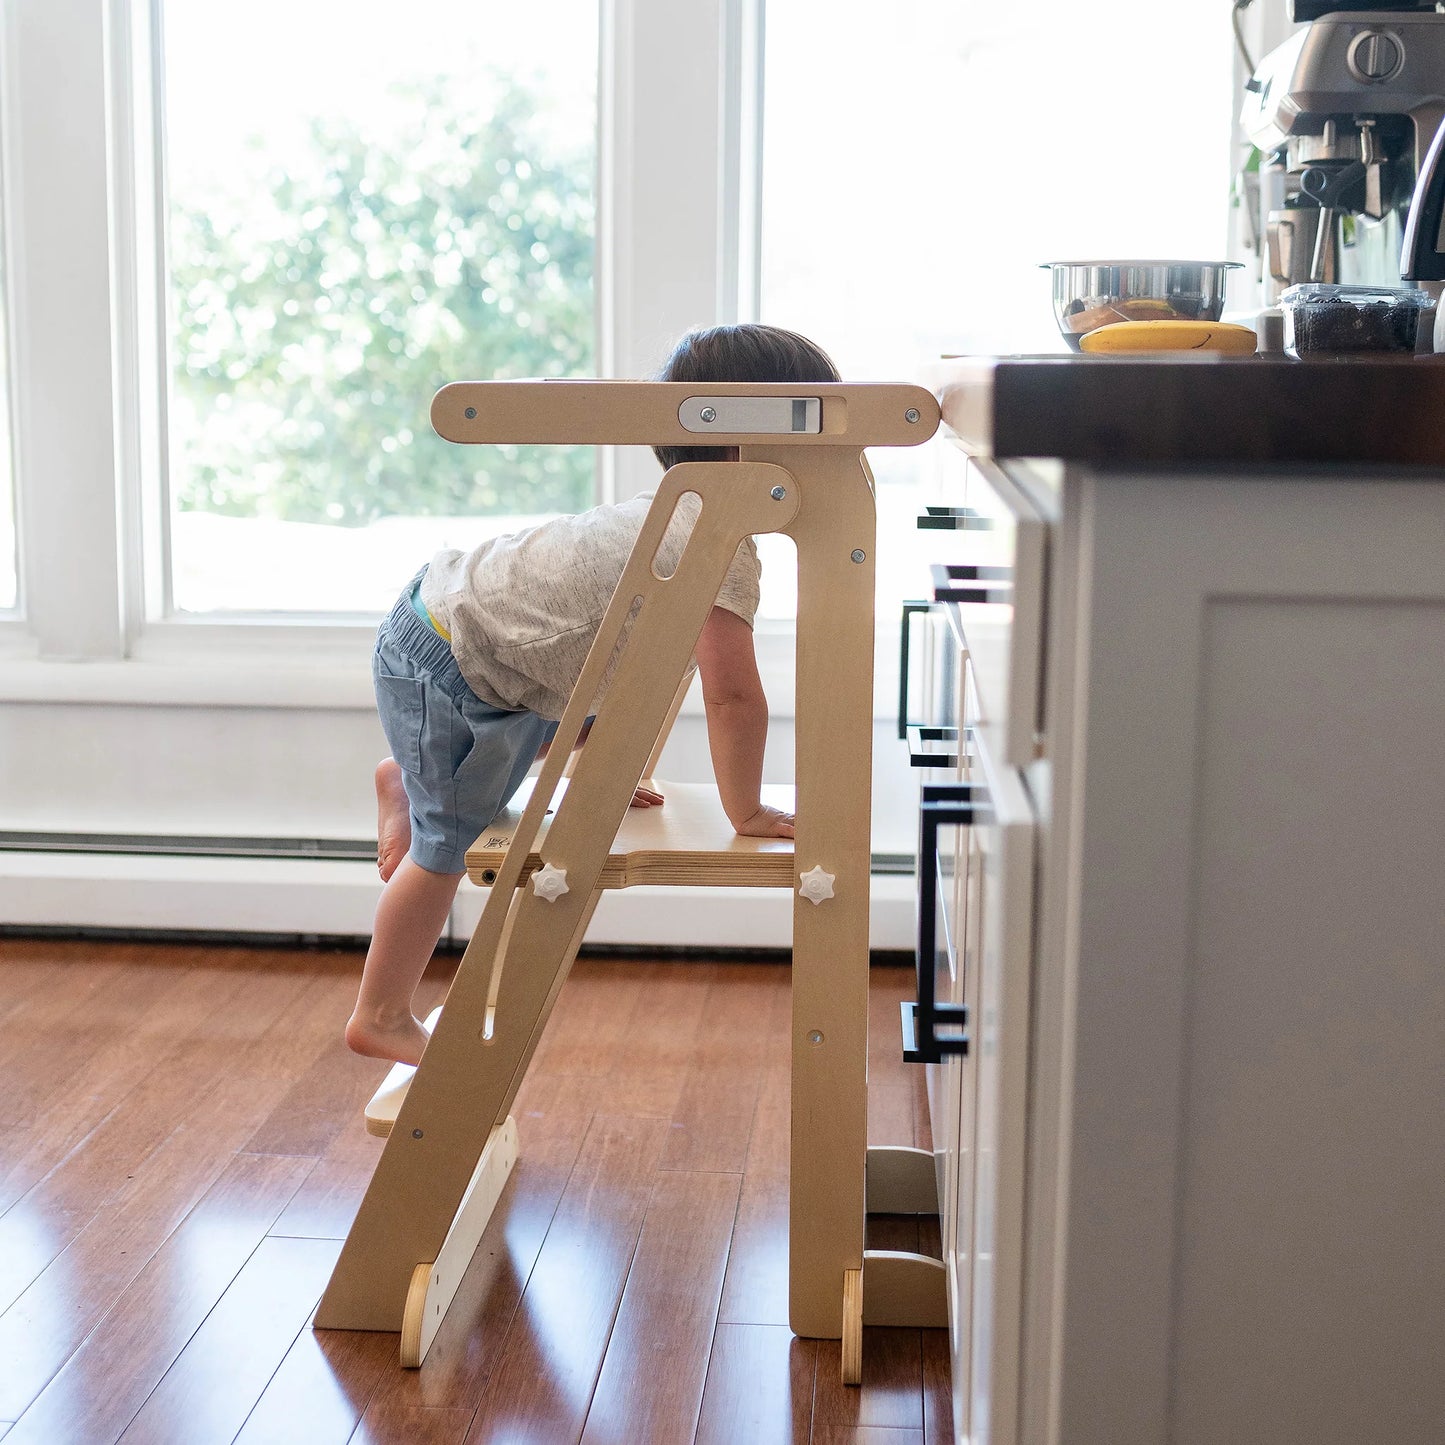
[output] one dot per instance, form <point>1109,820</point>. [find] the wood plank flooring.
<point>182,1151</point>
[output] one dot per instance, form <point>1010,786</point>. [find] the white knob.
<point>816,885</point>
<point>549,882</point>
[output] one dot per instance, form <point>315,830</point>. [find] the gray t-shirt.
<point>523,610</point>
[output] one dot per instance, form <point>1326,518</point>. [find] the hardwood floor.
<point>182,1151</point>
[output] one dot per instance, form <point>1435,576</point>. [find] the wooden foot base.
<point>852,1327</point>
<point>893,1288</point>
<point>901,1181</point>
<point>905,1290</point>
<point>433,1284</point>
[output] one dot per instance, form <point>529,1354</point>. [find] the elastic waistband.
<point>405,629</point>
<point>420,608</point>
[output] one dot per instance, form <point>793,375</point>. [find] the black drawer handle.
<point>909,609</point>
<point>980,572</point>
<point>920,735</point>
<point>944,804</point>
<point>954,519</point>
<point>953,584</point>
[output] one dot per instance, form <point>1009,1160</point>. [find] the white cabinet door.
<point>1243,899</point>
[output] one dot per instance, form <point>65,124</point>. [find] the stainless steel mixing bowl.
<point>1090,294</point>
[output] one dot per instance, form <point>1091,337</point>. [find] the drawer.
<point>994,593</point>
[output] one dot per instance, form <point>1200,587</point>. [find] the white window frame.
<point>679,89</point>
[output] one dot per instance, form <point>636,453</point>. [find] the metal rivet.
<point>778,493</point>
<point>815,1037</point>
<point>416,1133</point>
<point>911,414</point>
<point>470,412</point>
<point>708,413</point>
<point>859,555</point>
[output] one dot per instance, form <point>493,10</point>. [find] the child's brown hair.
<point>745,352</point>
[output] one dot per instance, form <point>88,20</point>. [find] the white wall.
<point>303,774</point>
<point>289,773</point>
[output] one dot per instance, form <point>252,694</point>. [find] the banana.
<point>1124,336</point>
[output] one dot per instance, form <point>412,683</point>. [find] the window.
<point>183,443</point>
<point>9,554</point>
<point>908,202</point>
<point>411,202</point>
<point>9,582</point>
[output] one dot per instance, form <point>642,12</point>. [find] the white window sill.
<point>202,683</point>
<point>263,664</point>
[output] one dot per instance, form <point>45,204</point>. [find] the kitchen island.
<point>1193,1163</point>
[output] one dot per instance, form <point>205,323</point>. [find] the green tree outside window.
<point>313,321</point>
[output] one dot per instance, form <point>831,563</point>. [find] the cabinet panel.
<point>1244,890</point>
<point>1312,1188</point>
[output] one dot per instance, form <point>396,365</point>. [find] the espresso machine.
<point>1343,114</point>
<point>1422,257</point>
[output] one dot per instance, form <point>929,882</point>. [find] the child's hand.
<point>646,798</point>
<point>767,823</point>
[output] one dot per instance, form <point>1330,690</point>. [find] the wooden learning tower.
<point>450,1139</point>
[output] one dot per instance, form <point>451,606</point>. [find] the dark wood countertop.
<point>1128,410</point>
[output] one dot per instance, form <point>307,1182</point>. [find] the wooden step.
<point>386,1102</point>
<point>686,841</point>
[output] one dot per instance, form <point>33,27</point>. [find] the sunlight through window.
<point>353,218</point>
<point>909,198</point>
<point>9,554</point>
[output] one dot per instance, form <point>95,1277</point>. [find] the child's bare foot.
<point>393,818</point>
<point>400,1040</point>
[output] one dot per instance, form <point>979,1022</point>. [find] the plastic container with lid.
<point>1332,320</point>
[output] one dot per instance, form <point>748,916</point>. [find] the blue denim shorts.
<point>461,759</point>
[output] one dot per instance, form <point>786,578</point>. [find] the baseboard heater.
<point>144,845</point>
<point>327,887</point>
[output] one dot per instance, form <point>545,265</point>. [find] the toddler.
<point>478,658</point>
